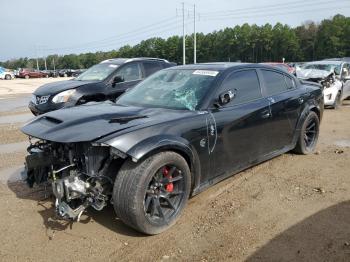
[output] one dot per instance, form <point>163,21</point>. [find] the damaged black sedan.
<point>173,135</point>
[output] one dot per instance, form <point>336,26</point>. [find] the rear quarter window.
<point>274,82</point>
<point>290,82</point>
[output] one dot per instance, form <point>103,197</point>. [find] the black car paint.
<point>216,141</point>
<point>87,90</point>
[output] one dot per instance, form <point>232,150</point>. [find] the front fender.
<point>148,146</point>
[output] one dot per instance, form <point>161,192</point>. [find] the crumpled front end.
<point>330,93</point>
<point>80,174</point>
<point>330,84</point>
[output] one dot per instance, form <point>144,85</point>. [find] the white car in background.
<point>7,75</point>
<point>334,76</point>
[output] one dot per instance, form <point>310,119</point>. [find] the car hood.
<point>93,121</point>
<point>312,73</point>
<point>56,87</point>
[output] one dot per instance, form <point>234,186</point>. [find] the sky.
<point>43,27</point>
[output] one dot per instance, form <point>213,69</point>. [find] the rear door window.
<point>151,67</point>
<point>245,84</point>
<point>274,82</point>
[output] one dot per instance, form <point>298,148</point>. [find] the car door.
<point>345,74</point>
<point>128,76</point>
<point>236,130</point>
<point>286,103</point>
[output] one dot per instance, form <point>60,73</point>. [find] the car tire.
<point>308,136</point>
<point>149,196</point>
<point>337,101</point>
<point>26,76</point>
<point>8,77</point>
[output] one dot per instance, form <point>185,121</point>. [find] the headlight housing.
<point>63,96</point>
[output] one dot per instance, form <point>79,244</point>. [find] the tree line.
<point>246,43</point>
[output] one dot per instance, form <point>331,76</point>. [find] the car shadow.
<point>45,200</point>
<point>324,236</point>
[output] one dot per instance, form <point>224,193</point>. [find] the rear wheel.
<point>308,137</point>
<point>8,77</point>
<point>149,196</point>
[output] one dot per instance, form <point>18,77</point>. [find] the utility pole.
<point>53,62</point>
<point>194,36</point>
<point>37,62</point>
<point>183,35</point>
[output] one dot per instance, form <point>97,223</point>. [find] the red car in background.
<point>30,73</point>
<point>282,66</point>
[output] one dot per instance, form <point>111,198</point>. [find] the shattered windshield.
<point>97,72</point>
<point>327,67</point>
<point>173,88</point>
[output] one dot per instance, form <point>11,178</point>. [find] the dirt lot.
<point>292,208</point>
<point>23,86</point>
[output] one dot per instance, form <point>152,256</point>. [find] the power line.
<point>136,38</point>
<point>295,4</point>
<point>144,29</point>
<point>271,14</point>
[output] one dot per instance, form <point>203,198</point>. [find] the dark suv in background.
<point>104,81</point>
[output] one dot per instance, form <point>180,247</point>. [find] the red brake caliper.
<point>170,186</point>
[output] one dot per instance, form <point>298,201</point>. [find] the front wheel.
<point>26,77</point>
<point>337,101</point>
<point>8,77</point>
<point>308,137</point>
<point>149,196</point>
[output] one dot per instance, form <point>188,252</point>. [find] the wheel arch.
<point>161,143</point>
<point>306,110</point>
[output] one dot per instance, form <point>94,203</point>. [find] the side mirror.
<point>226,97</point>
<point>117,79</point>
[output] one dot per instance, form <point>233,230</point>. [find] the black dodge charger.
<point>178,132</point>
<point>104,81</point>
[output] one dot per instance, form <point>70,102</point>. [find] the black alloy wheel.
<point>308,137</point>
<point>150,195</point>
<point>164,194</point>
<point>310,133</point>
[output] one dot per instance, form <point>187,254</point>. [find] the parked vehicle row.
<point>33,73</point>
<point>171,136</point>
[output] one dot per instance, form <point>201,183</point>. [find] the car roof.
<point>326,62</point>
<point>120,61</point>
<point>219,66</point>
<point>223,66</point>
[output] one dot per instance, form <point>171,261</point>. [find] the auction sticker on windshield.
<point>205,72</point>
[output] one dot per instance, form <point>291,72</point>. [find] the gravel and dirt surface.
<point>291,208</point>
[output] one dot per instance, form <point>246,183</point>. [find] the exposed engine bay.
<point>80,174</point>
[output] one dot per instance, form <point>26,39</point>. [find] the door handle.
<point>265,114</point>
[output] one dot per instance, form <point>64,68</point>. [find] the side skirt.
<point>233,172</point>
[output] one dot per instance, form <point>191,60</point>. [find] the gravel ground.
<point>291,208</point>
